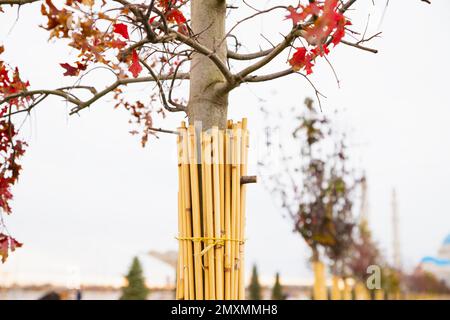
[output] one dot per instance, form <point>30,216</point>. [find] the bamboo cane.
<point>234,205</point>
<point>206,267</point>
<point>187,222</point>
<point>183,251</point>
<point>209,217</point>
<point>237,226</point>
<point>222,204</point>
<point>222,183</point>
<point>195,213</point>
<point>187,263</point>
<point>216,212</point>
<point>228,244</point>
<point>244,151</point>
<point>179,293</point>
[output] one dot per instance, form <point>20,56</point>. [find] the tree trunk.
<point>207,103</point>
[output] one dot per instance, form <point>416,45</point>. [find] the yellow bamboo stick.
<point>187,217</point>
<point>234,205</point>
<point>222,182</point>
<point>183,251</point>
<point>237,225</point>
<point>179,294</point>
<point>244,164</point>
<point>195,213</point>
<point>216,212</point>
<point>222,204</point>
<point>228,244</point>
<point>209,216</point>
<point>205,257</point>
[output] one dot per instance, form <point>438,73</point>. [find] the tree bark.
<point>208,102</point>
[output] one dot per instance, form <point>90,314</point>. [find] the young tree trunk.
<point>207,103</point>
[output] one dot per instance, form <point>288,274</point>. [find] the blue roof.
<point>436,261</point>
<point>447,240</point>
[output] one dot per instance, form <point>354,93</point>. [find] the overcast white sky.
<point>90,197</point>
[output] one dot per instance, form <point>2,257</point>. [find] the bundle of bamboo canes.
<point>212,168</point>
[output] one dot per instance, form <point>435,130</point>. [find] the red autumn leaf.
<point>176,16</point>
<point>309,10</point>
<point>14,244</point>
<point>340,31</point>
<point>298,59</point>
<point>303,59</point>
<point>70,71</point>
<point>294,15</point>
<point>121,29</point>
<point>321,51</point>
<point>7,244</point>
<point>309,65</point>
<point>4,247</point>
<point>73,71</point>
<point>135,67</point>
<point>116,44</point>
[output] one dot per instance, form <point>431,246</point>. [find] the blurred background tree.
<point>277,290</point>
<point>255,287</point>
<point>136,288</point>
<point>315,185</point>
<point>421,281</point>
<point>365,252</point>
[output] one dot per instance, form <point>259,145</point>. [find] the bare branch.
<point>79,104</point>
<point>121,82</point>
<point>17,2</point>
<point>355,45</point>
<point>295,32</point>
<point>270,76</point>
<point>161,89</point>
<point>207,52</point>
<point>32,93</point>
<point>248,56</point>
<point>163,130</point>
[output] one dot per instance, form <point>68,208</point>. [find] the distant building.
<point>440,265</point>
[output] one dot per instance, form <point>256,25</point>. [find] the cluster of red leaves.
<point>79,25</point>
<point>172,13</point>
<point>11,148</point>
<point>303,58</point>
<point>328,26</point>
<point>74,22</point>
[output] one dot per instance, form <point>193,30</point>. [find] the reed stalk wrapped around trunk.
<point>211,210</point>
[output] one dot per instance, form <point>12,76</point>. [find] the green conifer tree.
<point>135,288</point>
<point>277,290</point>
<point>255,288</point>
